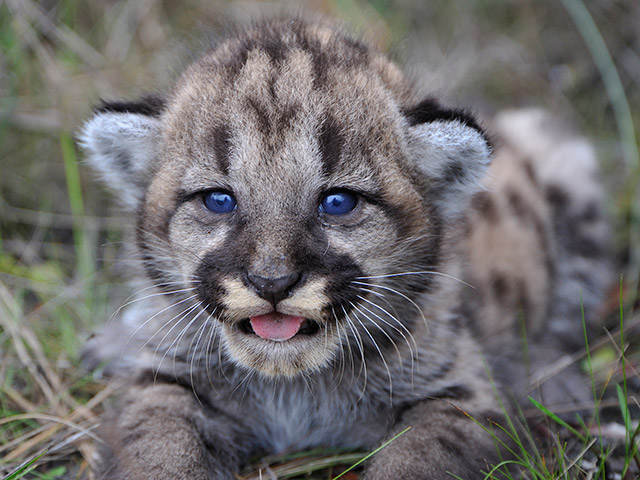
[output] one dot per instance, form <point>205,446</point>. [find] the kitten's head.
<point>291,182</point>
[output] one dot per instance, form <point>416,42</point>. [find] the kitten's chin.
<point>311,348</point>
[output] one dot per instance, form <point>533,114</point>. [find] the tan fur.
<point>406,299</point>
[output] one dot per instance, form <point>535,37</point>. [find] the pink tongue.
<point>276,326</point>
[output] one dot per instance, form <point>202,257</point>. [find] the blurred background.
<point>61,248</point>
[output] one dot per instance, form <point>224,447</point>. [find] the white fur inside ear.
<point>123,148</point>
<point>453,157</point>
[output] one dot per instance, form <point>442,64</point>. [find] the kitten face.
<point>283,180</point>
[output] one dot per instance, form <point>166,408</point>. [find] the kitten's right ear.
<point>450,150</point>
<point>122,141</point>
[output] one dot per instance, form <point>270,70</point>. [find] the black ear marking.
<point>121,141</point>
<point>429,110</point>
<point>150,105</point>
<point>450,150</point>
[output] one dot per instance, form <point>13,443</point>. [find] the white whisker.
<point>375,324</point>
<point>397,292</point>
<point>184,314</point>
<point>425,272</point>
<point>358,340</point>
<point>211,334</point>
<point>143,324</point>
<point>394,318</point>
<point>375,344</point>
<point>156,294</point>
<point>390,326</point>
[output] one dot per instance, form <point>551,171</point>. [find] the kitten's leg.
<point>442,442</point>
<point>162,432</point>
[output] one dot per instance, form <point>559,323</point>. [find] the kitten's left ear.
<point>122,141</point>
<point>450,150</point>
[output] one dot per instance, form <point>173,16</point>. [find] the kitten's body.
<point>375,329</point>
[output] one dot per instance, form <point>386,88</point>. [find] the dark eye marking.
<point>338,202</point>
<point>219,201</point>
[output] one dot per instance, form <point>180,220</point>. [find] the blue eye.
<point>219,202</point>
<point>338,203</point>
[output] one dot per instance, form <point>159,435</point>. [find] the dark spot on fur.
<point>454,172</point>
<point>271,124</point>
<point>585,246</point>
<point>518,205</point>
<point>573,225</point>
<point>524,302</point>
<point>429,110</point>
<point>557,197</point>
<point>499,287</point>
<point>485,205</point>
<point>150,105</point>
<point>590,213</point>
<point>319,60</point>
<point>528,217</point>
<point>331,142</point>
<point>456,321</point>
<point>271,86</point>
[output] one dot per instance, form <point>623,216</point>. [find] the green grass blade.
<point>596,399</point>
<point>24,468</point>
<point>374,452</point>
<point>556,418</point>
<point>74,190</point>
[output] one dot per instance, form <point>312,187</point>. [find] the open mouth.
<point>278,327</point>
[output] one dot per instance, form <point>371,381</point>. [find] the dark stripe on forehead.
<point>275,48</point>
<point>261,115</point>
<point>279,39</point>
<point>287,115</point>
<point>272,120</point>
<point>220,143</point>
<point>331,142</point>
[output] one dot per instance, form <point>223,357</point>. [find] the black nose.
<point>273,289</point>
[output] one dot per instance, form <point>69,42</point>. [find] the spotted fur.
<point>406,298</point>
